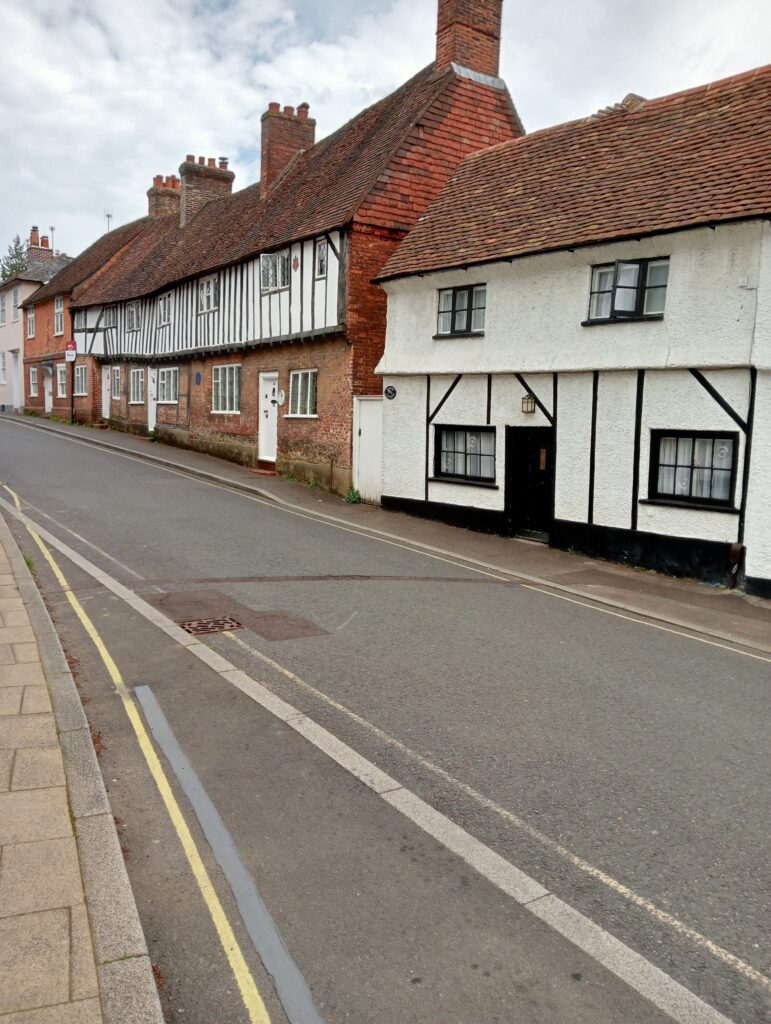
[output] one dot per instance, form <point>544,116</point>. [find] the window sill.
<point>623,320</point>
<point>464,480</point>
<point>167,402</point>
<point>459,334</point>
<point>274,291</point>
<point>80,394</point>
<point>300,416</point>
<point>201,312</point>
<point>226,412</point>
<point>136,403</point>
<point>698,506</point>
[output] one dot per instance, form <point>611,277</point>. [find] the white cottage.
<point>578,346</point>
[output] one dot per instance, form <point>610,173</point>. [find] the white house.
<point>578,345</point>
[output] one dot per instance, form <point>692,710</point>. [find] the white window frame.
<point>296,410</point>
<point>137,386</point>
<point>2,310</point>
<point>168,385</point>
<point>30,321</point>
<point>208,294</point>
<point>164,309</point>
<point>115,382</point>
<point>110,316</point>
<point>81,381</point>
<point>58,315</point>
<point>321,259</point>
<point>133,317</point>
<point>275,271</point>
<point>15,306</point>
<point>226,389</point>
<point>33,392</point>
<point>61,380</point>
<point>3,368</point>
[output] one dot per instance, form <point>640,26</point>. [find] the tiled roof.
<point>90,260</point>
<point>642,167</point>
<point>321,190</point>
<point>40,272</point>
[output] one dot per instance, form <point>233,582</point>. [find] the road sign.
<point>70,351</point>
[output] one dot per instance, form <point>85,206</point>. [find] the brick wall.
<point>201,182</point>
<point>469,33</point>
<point>283,134</point>
<point>46,347</point>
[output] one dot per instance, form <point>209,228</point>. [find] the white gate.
<point>368,447</point>
<point>152,397</point>
<point>106,392</point>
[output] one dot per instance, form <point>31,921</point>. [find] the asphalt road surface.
<point>622,767</point>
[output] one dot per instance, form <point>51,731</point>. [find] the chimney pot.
<point>289,111</point>
<point>34,235</point>
<point>211,162</point>
<point>158,181</point>
<point>189,159</point>
<point>44,241</point>
<point>223,163</point>
<point>302,110</point>
<point>202,161</point>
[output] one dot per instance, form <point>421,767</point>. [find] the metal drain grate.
<point>199,626</point>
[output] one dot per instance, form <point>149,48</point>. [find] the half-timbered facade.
<point>252,317</point>
<point>584,357</point>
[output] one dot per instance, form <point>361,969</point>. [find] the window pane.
<point>461,319</point>
<point>445,323</point>
<point>666,484</point>
<point>684,450</point>
<point>701,483</point>
<point>294,390</point>
<point>721,484</point>
<point>474,465</point>
<point>236,388</point>
<point>488,467</point>
<point>487,446</point>
<point>658,273</point>
<point>625,300</point>
<point>599,308</point>
<point>655,299</point>
<point>602,278</point>
<point>447,463</point>
<point>312,394</point>
<point>445,301</point>
<point>702,451</point>
<point>461,298</point>
<point>478,319</point>
<point>682,481</point>
<point>304,393</point>
<point>723,453</point>
<point>460,464</point>
<point>628,274</point>
<point>668,450</point>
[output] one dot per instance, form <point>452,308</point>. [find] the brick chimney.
<point>38,250</point>
<point>163,196</point>
<point>468,32</point>
<point>201,182</point>
<point>285,133</point>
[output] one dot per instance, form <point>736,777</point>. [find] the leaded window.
<point>274,269</point>
<point>208,294</point>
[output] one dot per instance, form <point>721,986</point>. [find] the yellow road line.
<point>250,995</point>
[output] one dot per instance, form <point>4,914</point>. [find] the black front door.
<point>530,480</point>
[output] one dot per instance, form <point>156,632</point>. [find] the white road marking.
<point>645,978</point>
<point>554,590</point>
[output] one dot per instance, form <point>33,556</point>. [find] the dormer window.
<point>274,269</point>
<point>461,310</point>
<point>164,309</point>
<point>208,294</point>
<point>628,290</point>
<point>133,316</point>
<point>321,258</point>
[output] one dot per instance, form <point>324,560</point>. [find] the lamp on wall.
<point>528,404</point>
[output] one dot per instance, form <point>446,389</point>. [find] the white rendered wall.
<point>12,344</point>
<point>574,433</point>
<point>757,534</point>
<point>535,307</point>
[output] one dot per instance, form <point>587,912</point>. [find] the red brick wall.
<point>368,251</point>
<point>47,347</point>
<point>283,133</point>
<point>88,408</point>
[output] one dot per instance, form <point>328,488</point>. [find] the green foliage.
<point>15,260</point>
<point>353,497</point>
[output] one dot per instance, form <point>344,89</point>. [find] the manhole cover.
<point>198,626</point>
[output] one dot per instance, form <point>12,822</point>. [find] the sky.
<point>98,96</point>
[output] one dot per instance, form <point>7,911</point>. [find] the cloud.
<point>97,96</point>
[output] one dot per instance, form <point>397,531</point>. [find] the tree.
<point>15,259</point>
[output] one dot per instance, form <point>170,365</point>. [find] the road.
<point>622,767</point>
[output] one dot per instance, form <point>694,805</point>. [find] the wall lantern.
<point>528,404</point>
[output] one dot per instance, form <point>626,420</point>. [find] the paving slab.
<point>35,701</point>
<point>13,674</point>
<point>39,876</point>
<point>6,765</point>
<point>10,700</point>
<point>86,1012</point>
<point>24,652</point>
<point>34,814</point>
<point>16,635</point>
<point>27,731</point>
<point>15,617</point>
<point>37,768</point>
<point>83,981</point>
<point>35,953</point>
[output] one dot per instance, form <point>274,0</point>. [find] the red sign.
<point>70,351</point>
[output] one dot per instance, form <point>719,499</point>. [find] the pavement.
<point>72,950</point>
<point>724,614</point>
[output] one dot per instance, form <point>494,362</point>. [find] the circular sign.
<point>281,397</point>
<point>198,378</point>
<point>390,391</point>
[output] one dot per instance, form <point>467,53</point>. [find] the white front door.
<point>105,392</point>
<point>152,397</point>
<point>48,389</point>
<point>16,383</point>
<point>267,437</point>
<point>368,447</point>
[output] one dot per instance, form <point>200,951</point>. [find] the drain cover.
<point>198,626</point>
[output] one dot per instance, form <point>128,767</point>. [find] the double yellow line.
<point>250,994</point>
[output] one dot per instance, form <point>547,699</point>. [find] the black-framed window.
<point>467,453</point>
<point>693,466</point>
<point>629,289</point>
<point>462,310</point>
